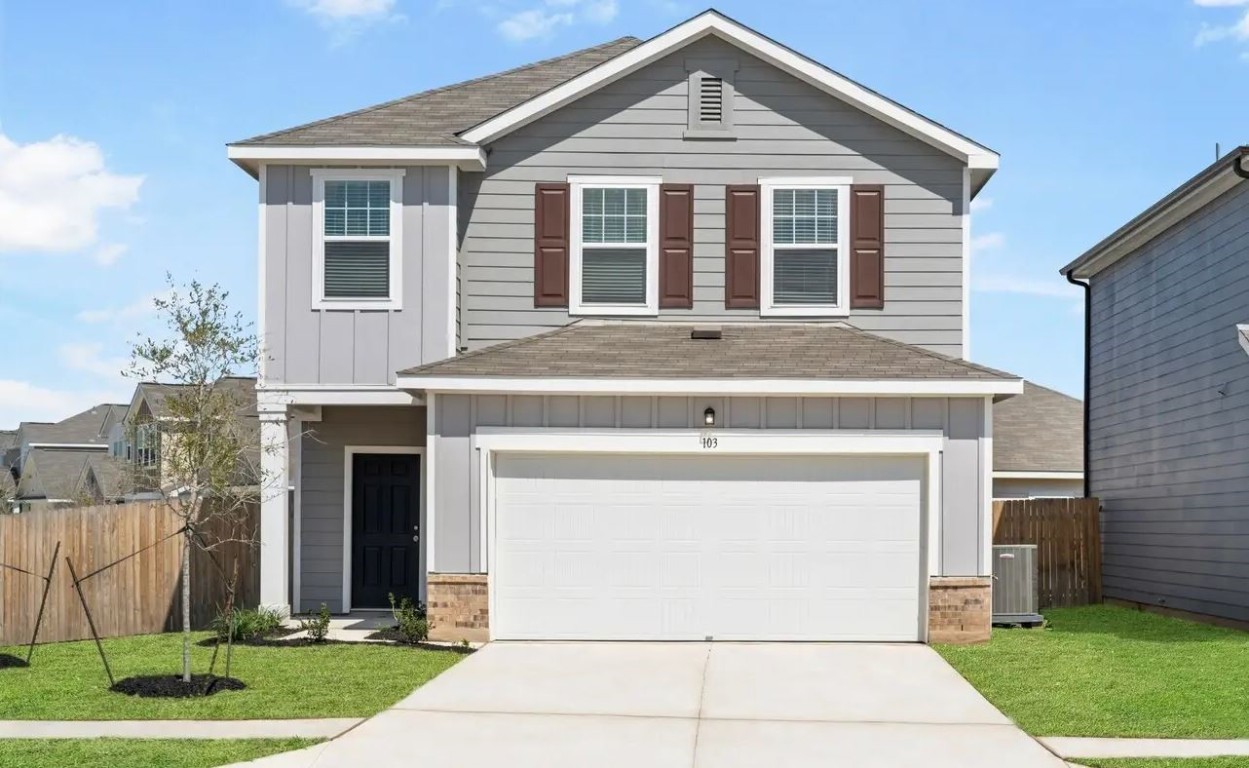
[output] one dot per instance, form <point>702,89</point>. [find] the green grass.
<point>67,682</point>
<point>138,753</point>
<point>1190,762</point>
<point>1111,671</point>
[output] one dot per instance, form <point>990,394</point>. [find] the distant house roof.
<point>53,473</point>
<point>1038,431</point>
<point>745,351</point>
<point>156,395</point>
<point>87,427</point>
<point>108,473</point>
<point>435,117</point>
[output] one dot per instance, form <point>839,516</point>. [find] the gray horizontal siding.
<point>457,506</point>
<point>323,450</point>
<point>782,127</point>
<point>303,345</point>
<point>1169,415</point>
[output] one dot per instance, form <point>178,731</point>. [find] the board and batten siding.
<point>1169,415</point>
<point>323,448</point>
<point>457,487</point>
<point>305,345</point>
<point>782,127</point>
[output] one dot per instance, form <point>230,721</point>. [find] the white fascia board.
<point>278,398</point>
<point>752,42</point>
<point>250,157</point>
<point>741,387</point>
<point>1028,475</point>
<point>1149,225</point>
<point>70,446</point>
<point>1242,333</point>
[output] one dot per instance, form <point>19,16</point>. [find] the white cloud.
<point>1055,287</point>
<point>52,194</point>
<point>548,17</point>
<point>987,242</point>
<point>87,357</point>
<point>334,11</point>
<point>108,254</point>
<point>981,204</point>
<point>24,401</point>
<point>141,307</point>
<point>1213,33</point>
<point>1220,3</point>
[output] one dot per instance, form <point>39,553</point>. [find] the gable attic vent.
<point>711,100</point>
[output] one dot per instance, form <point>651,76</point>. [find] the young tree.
<point>206,469</point>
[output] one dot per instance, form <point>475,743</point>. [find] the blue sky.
<point>113,129</point>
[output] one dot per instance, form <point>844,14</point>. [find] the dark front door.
<point>385,532</point>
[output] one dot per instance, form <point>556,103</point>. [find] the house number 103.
<point>709,442</point>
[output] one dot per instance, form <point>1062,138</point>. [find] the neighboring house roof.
<point>1213,181</point>
<point>53,473</point>
<point>435,117</point>
<point>1038,431</point>
<point>109,474</point>
<point>753,351</point>
<point>156,395</point>
<point>470,115</point>
<point>88,427</point>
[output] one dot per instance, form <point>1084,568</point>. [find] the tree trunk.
<point>186,605</point>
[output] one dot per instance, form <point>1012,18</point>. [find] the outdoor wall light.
<point>709,417</point>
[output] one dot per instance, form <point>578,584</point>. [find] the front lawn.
<point>138,753</point>
<point>1168,762</point>
<point>66,680</point>
<point>1110,671</point>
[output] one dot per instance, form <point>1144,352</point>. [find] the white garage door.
<point>642,547</point>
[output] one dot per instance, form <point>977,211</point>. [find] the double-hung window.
<point>614,255</point>
<point>804,262</point>
<point>357,250</point>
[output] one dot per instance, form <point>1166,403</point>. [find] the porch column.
<point>274,509</point>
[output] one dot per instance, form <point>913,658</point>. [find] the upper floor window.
<point>803,260</point>
<point>614,246</point>
<point>358,252</point>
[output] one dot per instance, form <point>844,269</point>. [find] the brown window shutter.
<point>867,248</point>
<point>741,246</point>
<point>676,246</point>
<point>550,245</point>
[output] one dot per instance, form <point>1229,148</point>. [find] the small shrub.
<point>410,620</point>
<point>317,626</point>
<point>249,624</point>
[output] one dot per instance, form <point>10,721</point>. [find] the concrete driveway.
<point>670,705</point>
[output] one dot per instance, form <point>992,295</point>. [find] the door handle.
<point>416,538</point>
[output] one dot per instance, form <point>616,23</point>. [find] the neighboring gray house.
<point>1038,445</point>
<point>44,460</point>
<point>661,339</point>
<point>1168,396</point>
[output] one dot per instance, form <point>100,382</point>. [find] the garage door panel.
<point>680,547</point>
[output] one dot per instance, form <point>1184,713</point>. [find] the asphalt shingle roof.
<point>85,427</point>
<point>56,472</point>
<point>435,117</point>
<point>1038,431</point>
<point>666,350</point>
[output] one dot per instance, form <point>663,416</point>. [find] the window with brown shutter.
<point>867,251</point>
<point>676,246</point>
<point>741,247</point>
<point>550,248</point>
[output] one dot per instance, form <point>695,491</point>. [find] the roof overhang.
<point>1189,198</point>
<point>250,157</point>
<point>982,161</point>
<point>738,387</point>
<point>1036,475</point>
<point>1242,334</point>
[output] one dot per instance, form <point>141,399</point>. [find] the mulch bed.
<point>172,687</point>
<point>11,662</point>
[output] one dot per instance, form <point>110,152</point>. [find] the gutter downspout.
<point>1088,337</point>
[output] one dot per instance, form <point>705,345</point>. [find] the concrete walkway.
<point>677,705</point>
<point>1078,747</point>
<point>326,728</point>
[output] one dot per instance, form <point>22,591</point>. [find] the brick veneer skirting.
<point>960,609</point>
<point>458,607</point>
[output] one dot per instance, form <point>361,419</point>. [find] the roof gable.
<point>1038,431</point>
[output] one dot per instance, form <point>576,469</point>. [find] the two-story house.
<point>661,339</point>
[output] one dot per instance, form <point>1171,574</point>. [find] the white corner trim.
<point>281,396</point>
<point>576,247</point>
<point>429,524</point>
<point>767,255</point>
<point>470,158</point>
<point>1030,475</point>
<point>1242,334</point>
<point>261,281</point>
<point>349,452</point>
<point>985,483</point>
<point>755,387</point>
<point>966,220</point>
<point>928,444</point>
<point>453,253</point>
<point>708,23</point>
<point>394,177</point>
<point>295,430</point>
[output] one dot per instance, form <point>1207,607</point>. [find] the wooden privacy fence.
<point>1067,535</point>
<point>139,596</point>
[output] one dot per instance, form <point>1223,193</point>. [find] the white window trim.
<point>349,453</point>
<point>767,306</point>
<point>576,185</point>
<point>395,177</point>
